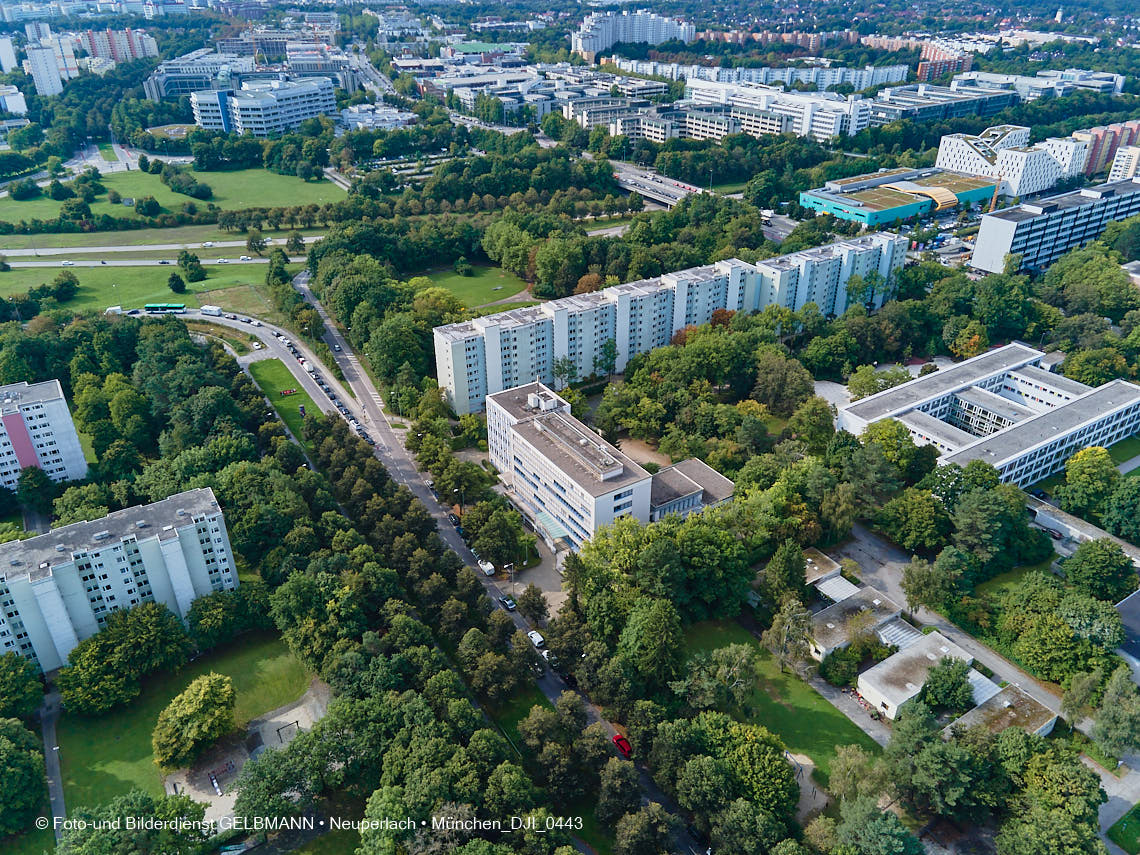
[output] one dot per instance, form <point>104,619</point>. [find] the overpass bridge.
<point>651,185</point>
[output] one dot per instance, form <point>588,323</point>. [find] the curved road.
<point>367,408</point>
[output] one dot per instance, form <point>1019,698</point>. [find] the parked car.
<point>453,519</point>
<point>623,746</point>
<point>256,345</point>
<point>536,639</point>
<point>462,532</point>
<point>487,567</point>
<point>508,603</point>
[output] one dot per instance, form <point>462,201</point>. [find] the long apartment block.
<point>486,355</point>
<point>1042,231</point>
<point>58,588</point>
<point>1003,408</point>
<point>36,430</point>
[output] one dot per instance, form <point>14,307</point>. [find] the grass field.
<point>485,285</point>
<point>189,236</point>
<point>131,287</point>
<point>242,188</point>
<point>107,152</point>
<point>109,755</point>
<point>236,339</point>
<point>272,375</point>
<point>730,187</point>
<point>1125,832</point>
<point>33,843</point>
<point>1003,582</point>
<point>333,843</point>
<point>244,300</point>
<point>785,704</point>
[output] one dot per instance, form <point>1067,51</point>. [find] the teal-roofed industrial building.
<point>897,195</point>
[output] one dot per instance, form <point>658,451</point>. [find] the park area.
<point>1125,832</point>
<point>484,285</point>
<point>241,188</point>
<point>785,704</point>
<point>274,377</point>
<point>131,287</point>
<point>106,756</point>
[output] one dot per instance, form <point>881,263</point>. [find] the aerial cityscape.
<point>437,427</point>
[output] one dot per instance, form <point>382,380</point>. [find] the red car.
<point>623,746</point>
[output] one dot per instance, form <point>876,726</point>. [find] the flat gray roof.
<point>899,678</point>
<point>1129,609</point>
<point>20,558</point>
<point>1011,707</point>
<point>1003,407</point>
<point>945,432</point>
<point>1066,201</point>
<point>715,486</point>
<point>829,626</point>
<point>17,394</point>
<point>1055,381</point>
<point>515,402</point>
<point>945,381</point>
<point>1043,427</point>
<point>559,438</point>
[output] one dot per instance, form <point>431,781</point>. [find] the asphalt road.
<point>146,247</point>
<point>367,407</point>
<point>137,262</point>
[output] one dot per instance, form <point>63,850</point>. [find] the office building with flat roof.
<point>1042,231</point>
<point>888,685</point>
<point>36,430</point>
<point>1003,152</point>
<point>924,102</point>
<point>58,588</point>
<point>819,115</point>
<point>569,481</point>
<point>486,355</point>
<point>1003,408</point>
<point>264,108</point>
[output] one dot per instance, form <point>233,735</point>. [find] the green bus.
<point>165,308</point>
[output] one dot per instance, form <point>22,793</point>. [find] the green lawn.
<point>107,151</point>
<point>785,704</point>
<point>508,715</point>
<point>242,188</point>
<point>131,287</point>
<point>730,186</point>
<point>272,375</point>
<point>109,755</point>
<point>343,842</point>
<point>1125,450</point>
<point>485,285</point>
<point>191,236</point>
<point>32,843</point>
<point>1125,832</point>
<point>1003,582</point>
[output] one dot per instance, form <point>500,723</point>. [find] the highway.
<point>140,262</point>
<point>367,408</point>
<point>651,185</point>
<point>146,247</point>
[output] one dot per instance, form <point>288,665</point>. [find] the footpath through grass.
<point>106,756</point>
<point>273,376</point>
<point>785,704</point>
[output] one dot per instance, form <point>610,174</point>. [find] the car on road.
<point>453,519</point>
<point>245,258</point>
<point>1053,533</point>
<point>164,261</point>
<point>67,264</point>
<point>536,639</point>
<point>208,243</point>
<point>508,603</point>
<point>462,532</point>
<point>550,658</point>
<point>257,323</point>
<point>623,746</point>
<point>256,345</point>
<point>246,321</point>
<point>487,567</point>
<point>336,347</point>
<point>135,312</point>
<point>223,261</point>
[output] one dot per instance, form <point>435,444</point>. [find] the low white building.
<point>374,117</point>
<point>12,101</point>
<point>1004,152</point>
<point>58,588</point>
<point>889,684</point>
<point>569,481</point>
<point>36,429</point>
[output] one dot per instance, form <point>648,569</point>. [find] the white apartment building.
<point>264,108</point>
<point>1125,164</point>
<point>58,588</point>
<point>602,30</point>
<point>36,430</point>
<point>1004,408</point>
<point>486,355</point>
<point>12,101</point>
<point>1042,231</point>
<point>822,76</point>
<point>7,55</point>
<point>1003,152</point>
<point>41,65</point>
<point>569,481</point>
<point>819,115</point>
<point>1047,84</point>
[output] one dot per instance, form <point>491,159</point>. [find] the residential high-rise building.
<point>58,588</point>
<point>1004,152</point>
<point>36,430</point>
<point>264,108</point>
<point>1003,408</point>
<point>602,30</point>
<point>36,30</point>
<point>1104,141</point>
<point>1126,163</point>
<point>42,66</point>
<point>1042,231</point>
<point>7,55</point>
<point>486,355</point>
<point>64,51</point>
<point>569,481</point>
<point>119,45</point>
